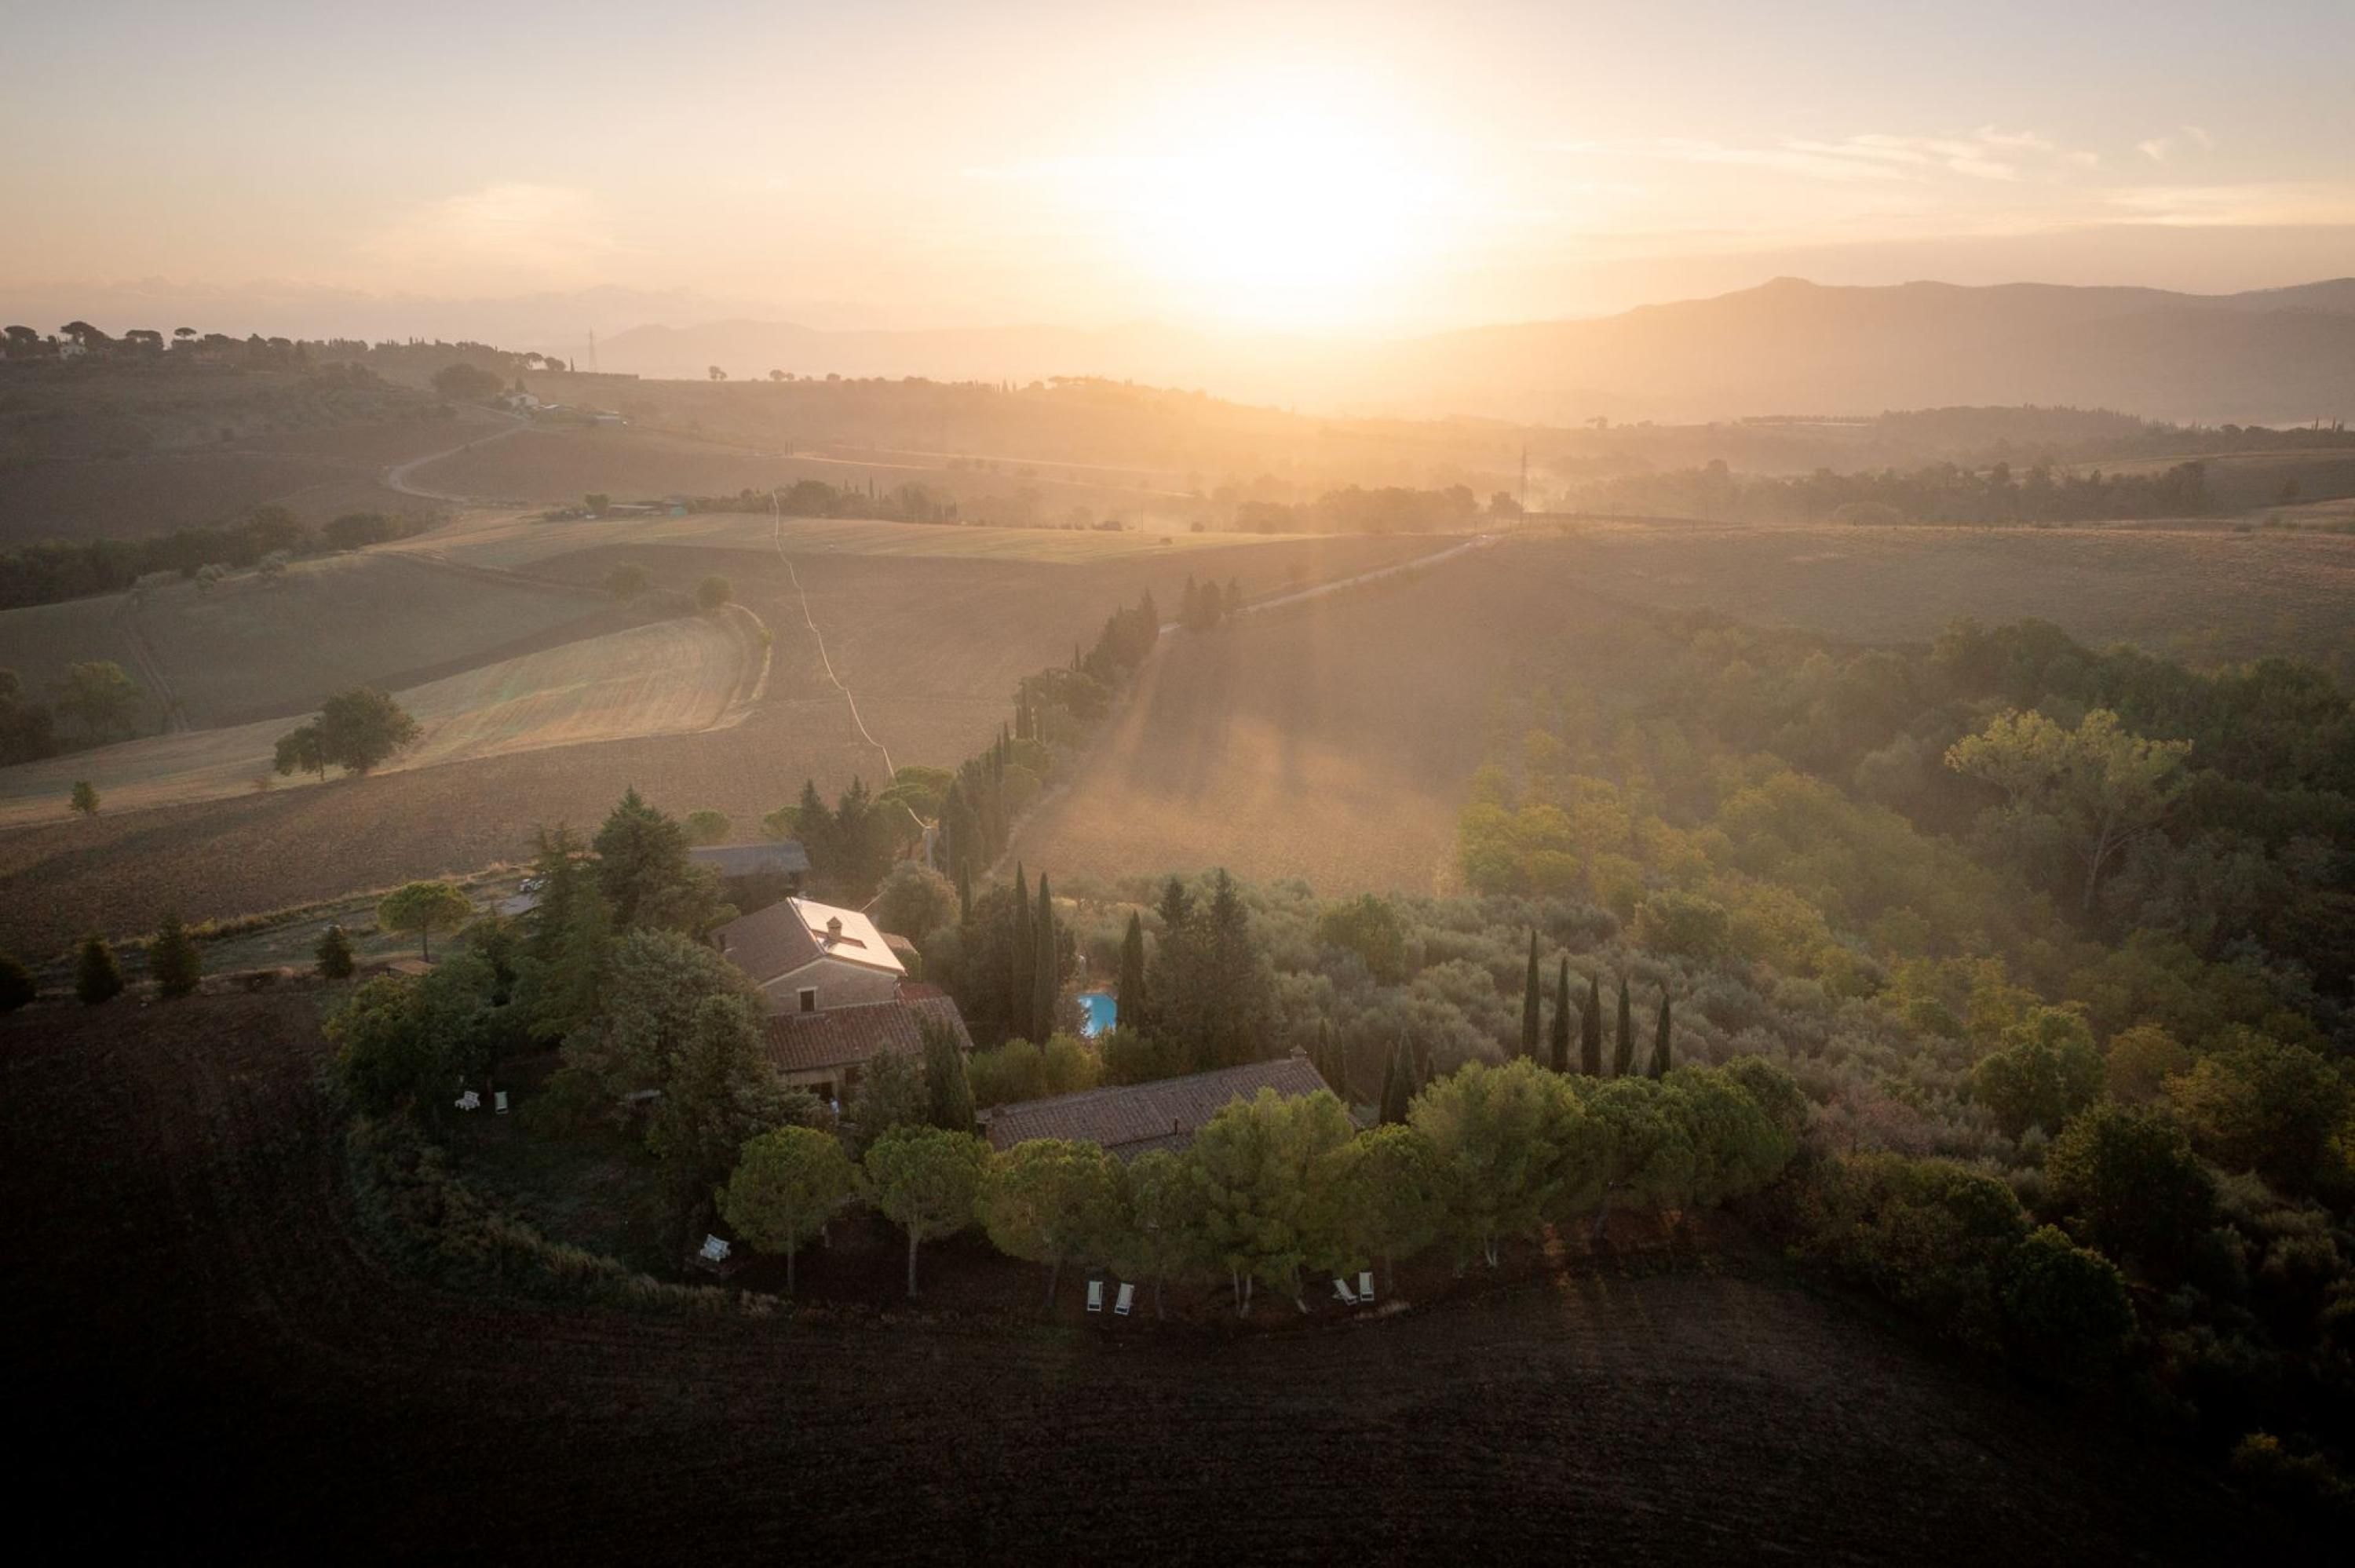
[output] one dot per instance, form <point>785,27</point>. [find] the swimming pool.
<point>1101,1010</point>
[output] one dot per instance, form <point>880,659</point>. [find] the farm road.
<point>397,477</point>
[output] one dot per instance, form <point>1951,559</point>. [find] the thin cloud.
<point>537,231</point>
<point>2183,139</point>
<point>1988,153</point>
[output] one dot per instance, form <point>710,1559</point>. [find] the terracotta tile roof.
<point>782,855</point>
<point>1134,1117</point>
<point>844,1036</point>
<point>793,932</point>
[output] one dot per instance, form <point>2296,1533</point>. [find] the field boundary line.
<point>777,531</point>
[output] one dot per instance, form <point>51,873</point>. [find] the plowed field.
<point>215,1365</point>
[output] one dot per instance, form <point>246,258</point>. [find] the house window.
<point>809,999</point>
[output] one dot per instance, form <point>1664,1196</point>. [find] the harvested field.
<point>514,542</point>
<point>249,649</point>
<point>194,1320</point>
<point>932,648</point>
<point>314,473</point>
<point>671,677</point>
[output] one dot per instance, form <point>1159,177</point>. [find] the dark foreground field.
<point>214,1364</point>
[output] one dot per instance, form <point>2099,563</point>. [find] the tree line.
<point>1275,1190</point>
<point>50,572</point>
<point>1935,492</point>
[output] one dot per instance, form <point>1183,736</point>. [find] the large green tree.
<point>98,695</point>
<point>925,1181</point>
<point>721,1092</point>
<point>646,876</point>
<point>2101,784</point>
<point>1049,1200</point>
<point>424,907</point>
<point>1396,1206</point>
<point>653,984</point>
<point>2045,1070</point>
<point>2130,1184</point>
<point>361,729</point>
<point>1273,1174</point>
<point>1130,998</point>
<point>1508,1142</point>
<point>947,1085</point>
<point>787,1185</point>
<point>1165,1237</point>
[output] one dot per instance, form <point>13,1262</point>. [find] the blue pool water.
<point>1101,1010</point>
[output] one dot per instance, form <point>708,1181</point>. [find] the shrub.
<point>97,977</point>
<point>1684,925</point>
<point>173,958</point>
<point>334,954</point>
<point>17,987</point>
<point>2065,1307</point>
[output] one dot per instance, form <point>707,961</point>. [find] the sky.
<point>1367,169</point>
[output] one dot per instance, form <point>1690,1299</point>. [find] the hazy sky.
<point>1361,167</point>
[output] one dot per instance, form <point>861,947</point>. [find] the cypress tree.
<point>1023,947</point>
<point>1129,1012</point>
<point>1590,1031</point>
<point>1623,1060</point>
<point>96,978</point>
<point>173,960</point>
<point>334,954</point>
<point>946,1087</point>
<point>1530,1004</point>
<point>964,892</point>
<point>1398,1089</point>
<point>1047,967</point>
<point>1660,1042</point>
<point>1560,1061</point>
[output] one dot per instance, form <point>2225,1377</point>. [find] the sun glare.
<point>1304,214</point>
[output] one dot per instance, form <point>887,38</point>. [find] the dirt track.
<point>216,1365</point>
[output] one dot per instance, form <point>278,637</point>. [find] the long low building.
<point>1134,1117</point>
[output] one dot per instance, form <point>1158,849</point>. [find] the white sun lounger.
<point>500,1103</point>
<point>1342,1290</point>
<point>1095,1295</point>
<point>715,1250</point>
<point>1366,1286</point>
<point>1128,1299</point>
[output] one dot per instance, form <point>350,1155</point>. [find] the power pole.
<point>592,351</point>
<point>1525,484</point>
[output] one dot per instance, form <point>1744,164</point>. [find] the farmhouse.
<point>823,1052</point>
<point>1129,1120</point>
<point>807,956</point>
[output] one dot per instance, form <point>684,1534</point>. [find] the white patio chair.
<point>1095,1295</point>
<point>1128,1299</point>
<point>715,1250</point>
<point>1342,1292</point>
<point>470,1100</point>
<point>1366,1286</point>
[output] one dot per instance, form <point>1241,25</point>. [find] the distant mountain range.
<point>2274,356</point>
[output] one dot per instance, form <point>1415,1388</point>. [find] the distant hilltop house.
<point>1128,1120</point>
<point>807,956</point>
<point>823,1052</point>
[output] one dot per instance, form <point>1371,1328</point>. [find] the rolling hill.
<point>2270,356</point>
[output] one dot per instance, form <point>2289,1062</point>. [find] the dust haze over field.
<point>1640,723</point>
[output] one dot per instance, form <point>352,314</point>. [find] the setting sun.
<point>1294,216</point>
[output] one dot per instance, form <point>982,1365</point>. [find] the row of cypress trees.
<point>1590,1028</point>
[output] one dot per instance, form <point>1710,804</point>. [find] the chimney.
<point>834,929</point>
